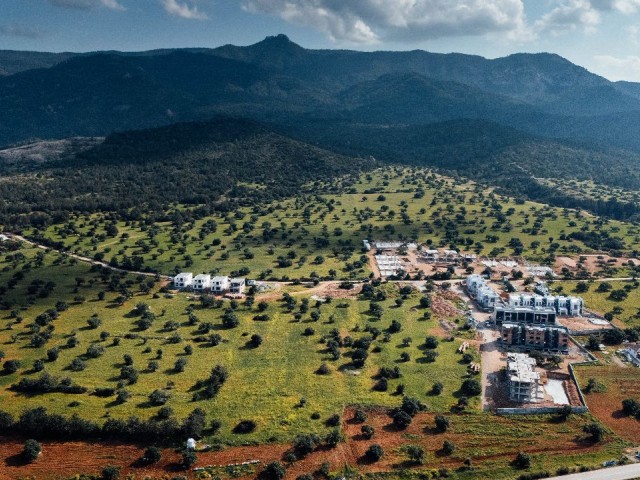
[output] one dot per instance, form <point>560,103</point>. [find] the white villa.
<point>183,280</point>
<point>202,282</point>
<point>237,285</point>
<point>219,284</point>
<point>205,283</point>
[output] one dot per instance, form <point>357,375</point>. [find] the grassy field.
<point>618,384</point>
<point>277,384</point>
<point>626,311</point>
<point>391,203</point>
<point>265,384</point>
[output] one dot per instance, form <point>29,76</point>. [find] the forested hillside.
<point>220,164</point>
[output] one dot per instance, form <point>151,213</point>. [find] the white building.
<point>237,285</point>
<point>564,306</point>
<point>183,280</point>
<point>219,284</point>
<point>202,282</point>
<point>481,292</point>
<point>631,355</point>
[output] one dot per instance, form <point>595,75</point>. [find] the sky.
<point>600,35</point>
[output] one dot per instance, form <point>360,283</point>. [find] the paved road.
<point>626,472</point>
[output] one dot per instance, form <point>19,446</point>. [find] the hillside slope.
<point>221,163</point>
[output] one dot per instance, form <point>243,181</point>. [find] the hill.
<point>221,163</point>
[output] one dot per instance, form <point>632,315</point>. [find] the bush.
<point>245,426</point>
<point>630,406</point>
<point>360,416</point>
<point>431,342</point>
<point>471,387</point>
<point>323,369</point>
<point>159,397</point>
<point>256,340</point>
<point>274,471</point>
<point>180,364</point>
<point>31,451</point>
<point>333,420</point>
<point>522,460</point>
<point>11,366</point>
<point>367,431</point>
<point>402,419</point>
<point>189,459</point>
<point>437,388</point>
<point>374,453</point>
<point>595,431</point>
<point>110,473</point>
<point>448,447</point>
<point>442,423</point>
<point>333,438</point>
<point>151,455</point>
<point>416,454</point>
<point>305,444</point>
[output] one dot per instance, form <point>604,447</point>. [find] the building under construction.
<point>548,338</point>
<point>523,380</point>
<point>527,315</point>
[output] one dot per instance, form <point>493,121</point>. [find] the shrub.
<point>522,460</point>
<point>53,354</point>
<point>245,426</point>
<point>431,342</point>
<point>323,369</point>
<point>416,454</point>
<point>430,356</point>
<point>401,419</point>
<point>77,365</point>
<point>159,397</point>
<point>31,451</point>
<point>333,420</point>
<point>151,455</point>
<point>274,471</point>
<point>448,447</point>
<point>437,388</point>
<point>360,416</point>
<point>11,366</point>
<point>305,444</point>
<point>110,473</point>
<point>442,423</point>
<point>333,438</point>
<point>189,459</point>
<point>595,431</point>
<point>95,351</point>
<point>180,364</point>
<point>367,431</point>
<point>374,453</point>
<point>256,340</point>
<point>471,387</point>
<point>630,406</point>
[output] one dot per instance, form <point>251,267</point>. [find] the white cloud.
<point>371,21</point>
<point>87,4</point>
<point>184,9</point>
<point>587,14</point>
<point>619,68</point>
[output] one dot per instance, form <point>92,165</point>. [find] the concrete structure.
<point>237,285</point>
<point>447,256</point>
<point>202,282</point>
<point>219,284</point>
<point>183,280</point>
<point>523,380</point>
<point>532,337</point>
<point>388,265</point>
<point>527,315</point>
<point>564,306</point>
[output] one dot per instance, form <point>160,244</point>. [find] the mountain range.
<point>524,116</point>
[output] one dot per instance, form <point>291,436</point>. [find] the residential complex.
<point>205,283</point>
